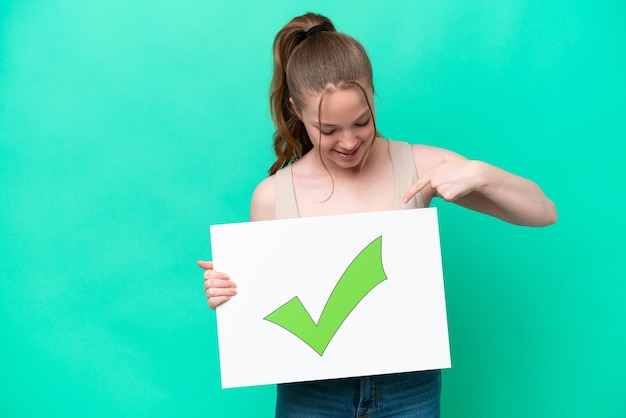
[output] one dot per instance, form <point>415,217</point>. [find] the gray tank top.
<point>404,173</point>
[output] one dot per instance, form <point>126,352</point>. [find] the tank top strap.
<point>405,174</point>
<point>285,205</point>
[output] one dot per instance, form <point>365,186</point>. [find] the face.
<point>346,130</point>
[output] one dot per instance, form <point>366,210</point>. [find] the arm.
<point>262,205</point>
<point>480,186</point>
<point>217,285</point>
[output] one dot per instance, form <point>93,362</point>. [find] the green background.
<point>128,127</point>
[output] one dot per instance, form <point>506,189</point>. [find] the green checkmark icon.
<point>363,274</point>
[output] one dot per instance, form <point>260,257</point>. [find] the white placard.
<point>398,325</point>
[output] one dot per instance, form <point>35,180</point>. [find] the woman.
<point>331,160</point>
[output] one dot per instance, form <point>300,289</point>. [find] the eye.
<point>363,123</point>
<point>328,133</point>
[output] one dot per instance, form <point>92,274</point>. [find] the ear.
<point>294,108</point>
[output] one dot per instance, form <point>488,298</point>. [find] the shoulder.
<point>426,157</point>
<point>262,204</point>
<point>421,152</point>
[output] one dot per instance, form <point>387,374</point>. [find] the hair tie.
<point>314,29</point>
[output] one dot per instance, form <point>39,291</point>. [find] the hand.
<point>217,285</point>
<point>452,178</point>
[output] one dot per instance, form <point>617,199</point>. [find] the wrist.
<point>481,174</point>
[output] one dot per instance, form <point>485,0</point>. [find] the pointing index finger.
<point>419,185</point>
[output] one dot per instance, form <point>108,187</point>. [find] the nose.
<point>348,140</point>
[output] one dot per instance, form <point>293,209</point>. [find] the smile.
<point>348,154</point>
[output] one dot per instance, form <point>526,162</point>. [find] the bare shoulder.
<point>426,157</point>
<point>262,204</point>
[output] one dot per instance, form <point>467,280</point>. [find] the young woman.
<point>331,160</point>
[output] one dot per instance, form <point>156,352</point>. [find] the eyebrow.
<point>330,125</point>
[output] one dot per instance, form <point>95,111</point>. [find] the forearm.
<point>516,199</point>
